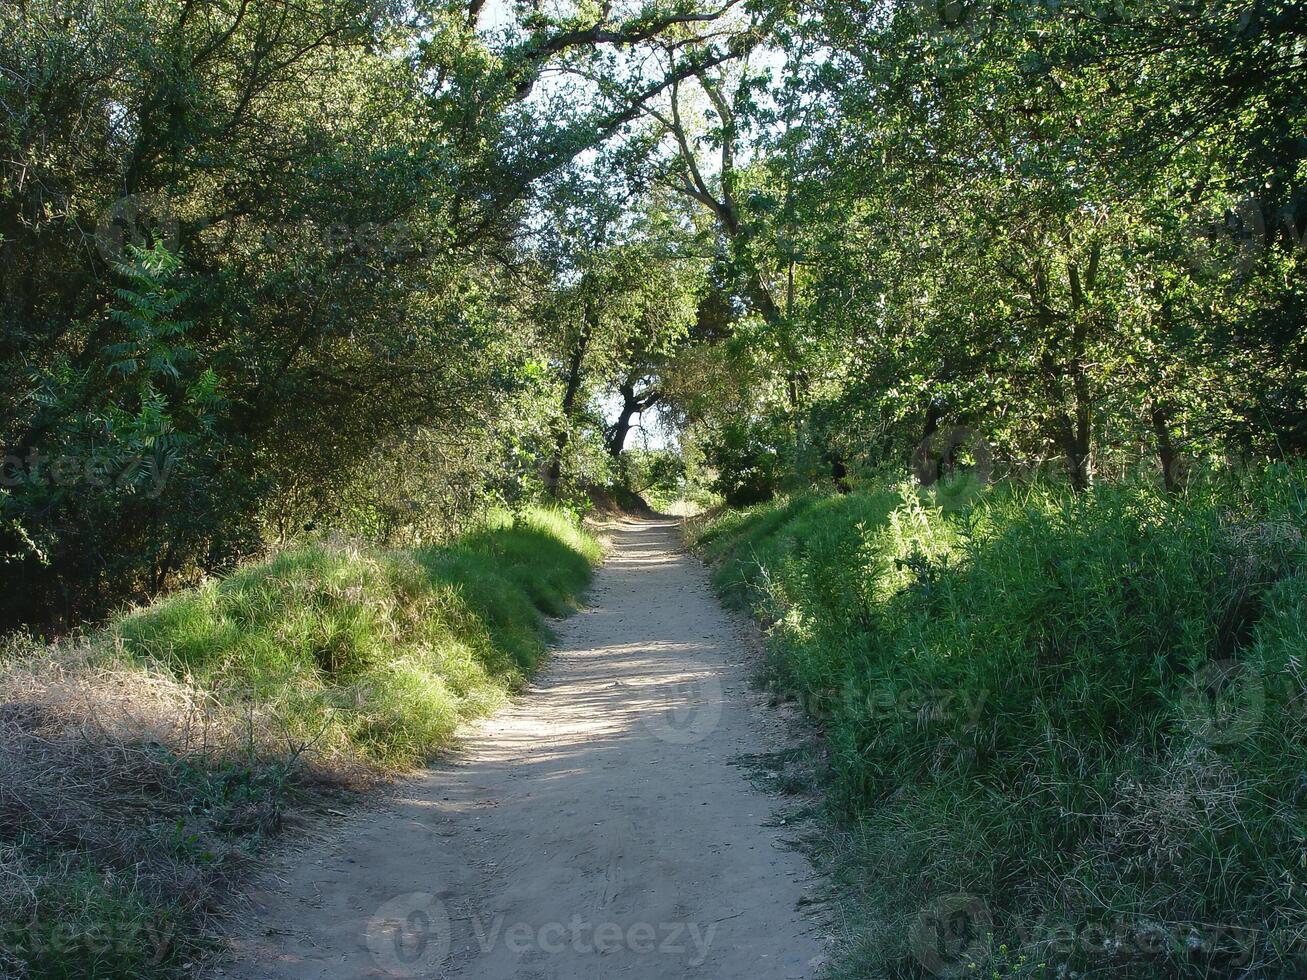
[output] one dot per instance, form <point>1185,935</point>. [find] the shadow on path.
<point>596,828</point>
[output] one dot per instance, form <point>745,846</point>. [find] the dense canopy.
<point>275,267</point>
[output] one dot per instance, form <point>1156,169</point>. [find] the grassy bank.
<point>1066,733</point>
<point>141,769</point>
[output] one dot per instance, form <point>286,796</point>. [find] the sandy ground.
<point>599,827</point>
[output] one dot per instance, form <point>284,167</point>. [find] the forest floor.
<point>601,826</point>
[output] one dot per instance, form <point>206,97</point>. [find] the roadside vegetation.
<point>280,273</point>
<point>143,766</point>
<point>1074,723</point>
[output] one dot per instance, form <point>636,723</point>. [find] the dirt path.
<point>597,828</point>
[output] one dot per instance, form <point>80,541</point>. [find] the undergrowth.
<point>1065,732</point>
<point>141,768</point>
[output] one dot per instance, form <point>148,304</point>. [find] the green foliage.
<point>375,655</point>
<point>130,465</point>
<point>656,476</point>
<point>344,331</point>
<point>934,217</point>
<point>1083,709</point>
<point>619,305</point>
<point>748,459</point>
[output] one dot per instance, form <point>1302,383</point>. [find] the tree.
<point>620,299</point>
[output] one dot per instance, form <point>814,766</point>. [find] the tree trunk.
<point>1079,454</point>
<point>633,404</point>
<point>1078,429</point>
<point>839,473</point>
<point>1073,424</point>
<point>926,466</point>
<point>1160,416</point>
<point>1080,445</point>
<point>622,427</point>
<point>553,472</point>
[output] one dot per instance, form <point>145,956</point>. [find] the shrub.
<point>747,457</point>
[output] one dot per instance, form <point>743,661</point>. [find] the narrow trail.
<point>599,827</point>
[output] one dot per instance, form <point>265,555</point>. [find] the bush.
<point>1083,710</point>
<point>129,486</point>
<point>747,457</point>
<point>655,476</point>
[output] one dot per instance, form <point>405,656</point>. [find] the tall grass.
<point>1084,712</point>
<point>374,656</point>
<point>141,770</point>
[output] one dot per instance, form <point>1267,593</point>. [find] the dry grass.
<point>129,803</point>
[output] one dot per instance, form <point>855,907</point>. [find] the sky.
<point>496,15</point>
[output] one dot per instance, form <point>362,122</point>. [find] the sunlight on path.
<point>596,828</point>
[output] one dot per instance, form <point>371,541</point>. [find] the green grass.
<point>1014,690</point>
<point>138,777</point>
<point>378,656</point>
<point>89,923</point>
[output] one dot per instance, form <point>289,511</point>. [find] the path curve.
<point>599,827</point>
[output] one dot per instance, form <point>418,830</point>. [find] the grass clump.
<point>141,769</point>
<point>1085,712</point>
<point>369,656</point>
